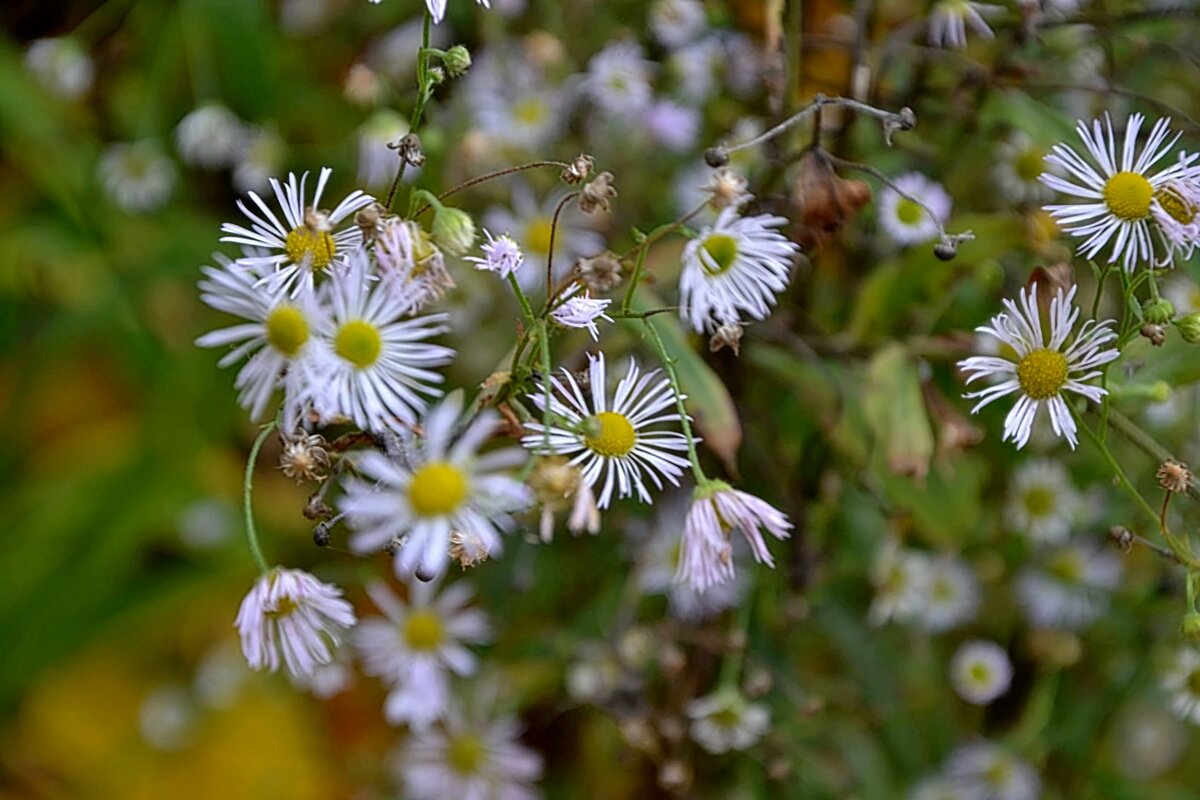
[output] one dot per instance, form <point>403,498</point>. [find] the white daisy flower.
<point>471,759</point>
<point>725,721</point>
<point>1148,740</point>
<point>1019,164</point>
<point>309,243</point>
<point>717,510</point>
<point>1042,503</point>
<point>377,162</point>
<point>382,365</point>
<point>529,224</point>
<point>676,127</point>
<point>986,770</point>
<point>618,80</point>
<point>736,265</point>
<point>261,158</point>
<point>674,23</point>
<point>952,595</point>
<point>210,136</point>
<point>291,617</point>
<point>901,579</point>
<point>137,176</point>
<point>695,67</point>
<point>948,21</point>
<point>419,645</point>
<point>1182,681</point>
<point>1117,195</point>
<point>501,255</point>
<point>61,65</point>
<point>905,221</point>
<point>510,101</point>
<point>278,340</point>
<point>582,311</point>
<point>1068,587</point>
<point>1046,366</point>
<point>980,672</point>
<point>612,440</point>
<point>437,8</point>
<point>444,487</point>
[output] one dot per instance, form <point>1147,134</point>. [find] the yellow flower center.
<point>979,673</point>
<point>615,436</point>
<point>909,212</point>
<point>314,249</point>
<point>287,330</point>
<point>1067,567</point>
<point>997,774</point>
<point>358,342</point>
<point>537,235</point>
<point>437,489</point>
<point>1042,374</point>
<point>1029,164</point>
<point>727,717</point>
<point>1039,501</point>
<point>531,111</point>
<point>722,250</point>
<point>1127,195</point>
<point>285,607</point>
<point>423,630</point>
<point>1193,682</point>
<point>942,590</point>
<point>465,754</point>
<point>1175,205</point>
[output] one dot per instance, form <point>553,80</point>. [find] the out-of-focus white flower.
<point>948,21</point>
<point>61,65</point>
<point>618,80</point>
<point>1042,503</point>
<point>939,787</point>
<point>674,23</point>
<point>211,136</point>
<point>1068,586</point>
<point>672,125</point>
<point>261,158</point>
<point>137,176</point>
<point>1147,741</point>
<point>986,770</point>
<point>953,595</point>
<point>695,67</point>
<point>725,721</point>
<point>904,220</point>
<point>980,672</point>
<point>511,101</point>
<point>167,718</point>
<point>1182,681</point>
<point>901,580</point>
<point>1020,162</point>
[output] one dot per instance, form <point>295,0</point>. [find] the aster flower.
<point>278,341</point>
<point>736,265</point>
<point>468,758</point>
<point>1067,588</point>
<point>291,617</point>
<point>501,255</point>
<point>582,311</point>
<point>1117,195</point>
<point>308,244</point>
<point>1175,210</point>
<point>1042,503</point>
<point>613,439</point>
<point>674,23</point>
<point>61,65</point>
<point>382,365</point>
<point>952,595</point>
<point>529,223</point>
<point>618,80</point>
<point>717,510</point>
<point>905,221</point>
<point>901,580</point>
<point>986,770</point>
<point>419,645</point>
<point>948,21</point>
<point>137,175</point>
<point>1046,366</point>
<point>725,720</point>
<point>445,486</point>
<point>511,103</point>
<point>980,672</point>
<point>1019,164</point>
<point>210,136</point>
<point>1182,681</point>
<point>411,267</point>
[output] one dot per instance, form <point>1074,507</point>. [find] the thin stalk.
<point>247,494</point>
<point>669,366</point>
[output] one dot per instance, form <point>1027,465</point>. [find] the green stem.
<point>1147,444</point>
<point>526,310</point>
<point>669,365</point>
<point>544,336</point>
<point>247,493</point>
<point>423,92</point>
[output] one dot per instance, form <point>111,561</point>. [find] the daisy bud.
<point>1189,327</point>
<point>597,194</point>
<point>601,273</point>
<point>728,334</point>
<point>1174,476</point>
<point>578,171</point>
<point>457,60</point>
<point>716,157</point>
<point>1159,312</point>
<point>453,230</point>
<point>1155,333</point>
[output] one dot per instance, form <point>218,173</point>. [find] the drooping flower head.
<point>718,510</point>
<point>1048,363</point>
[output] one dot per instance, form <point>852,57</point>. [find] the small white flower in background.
<point>530,223</point>
<point>612,440</point>
<point>309,243</point>
<point>980,672</point>
<point>948,21</point>
<point>1047,366</point>
<point>717,510</point>
<point>278,340</point>
<point>382,366</point>
<point>292,618</point>
<point>582,311</point>
<point>674,126</point>
<point>1182,681</point>
<point>211,136</point>
<point>501,255</point>
<point>61,65</point>
<point>987,770</point>
<point>511,103</point>
<point>469,758</point>
<point>618,80</point>
<point>1068,587</point>
<point>167,718</point>
<point>1183,292</point>
<point>377,162</point>
<point>137,176</point>
<point>953,595</point>
<point>1148,740</point>
<point>446,486</point>
<point>417,647</point>
<point>1117,194</point>
<point>905,221</point>
<point>327,680</point>
<point>724,721</point>
<point>1042,503</point>
<point>901,579</point>
<point>1019,164</point>
<point>674,23</point>
<point>736,265</point>
<point>694,69</point>
<point>939,787</point>
<point>261,158</point>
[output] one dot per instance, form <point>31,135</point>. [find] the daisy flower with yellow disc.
<point>1048,363</point>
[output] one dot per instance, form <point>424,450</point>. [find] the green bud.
<point>453,230</point>
<point>457,60</point>
<point>1189,327</point>
<point>1159,312</point>
<point>1189,629</point>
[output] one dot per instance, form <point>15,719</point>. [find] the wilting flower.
<point>501,255</point>
<point>717,510</point>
